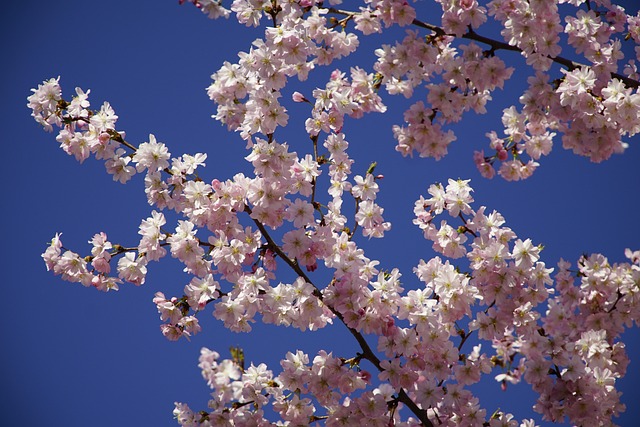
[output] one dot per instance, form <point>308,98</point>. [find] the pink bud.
<point>298,97</point>
<point>466,4</point>
<point>502,155</point>
<point>312,267</point>
<point>103,138</point>
<point>95,281</point>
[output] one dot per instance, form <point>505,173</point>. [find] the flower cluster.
<point>74,268</point>
<point>592,105</point>
<point>282,190</point>
<point>241,395</point>
<point>247,92</point>
<point>467,83</point>
<point>342,98</point>
<point>570,354</point>
<point>560,334</point>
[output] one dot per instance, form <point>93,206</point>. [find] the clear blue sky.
<point>74,356</point>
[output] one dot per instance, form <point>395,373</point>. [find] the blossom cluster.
<point>592,104</point>
<point>467,82</point>
<point>247,92</point>
<point>569,351</point>
<point>281,191</point>
<point>487,289</point>
<point>326,379</point>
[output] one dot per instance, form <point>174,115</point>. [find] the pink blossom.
<point>132,269</point>
<point>151,155</point>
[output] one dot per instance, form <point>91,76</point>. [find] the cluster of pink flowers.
<point>73,268</point>
<point>602,109</point>
<point>593,107</point>
<point>561,335</point>
<point>570,354</point>
<point>213,8</point>
<point>579,338</point>
<point>326,380</point>
<point>82,132</point>
<point>247,92</point>
<point>342,98</point>
<point>467,83</point>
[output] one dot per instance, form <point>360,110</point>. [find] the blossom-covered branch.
<point>486,305</point>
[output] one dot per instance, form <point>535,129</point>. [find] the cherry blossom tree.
<point>281,245</point>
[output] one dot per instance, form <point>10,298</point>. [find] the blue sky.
<point>73,356</point>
